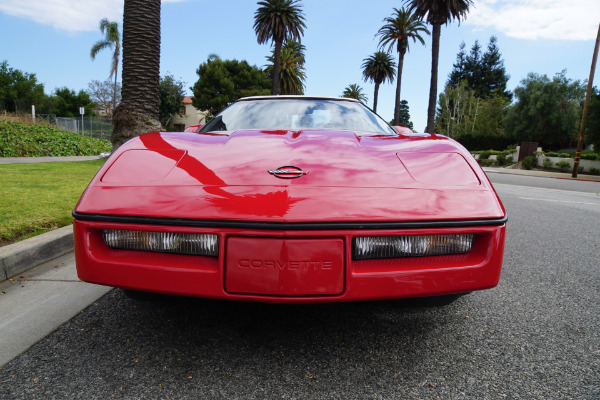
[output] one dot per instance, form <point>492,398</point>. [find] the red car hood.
<point>349,178</point>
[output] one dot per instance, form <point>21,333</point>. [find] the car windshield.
<point>299,114</point>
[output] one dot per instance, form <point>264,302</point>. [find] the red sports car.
<point>291,199</point>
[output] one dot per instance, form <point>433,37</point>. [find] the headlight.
<point>368,247</point>
<point>164,242</point>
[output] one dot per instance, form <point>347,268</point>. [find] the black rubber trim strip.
<point>298,226</point>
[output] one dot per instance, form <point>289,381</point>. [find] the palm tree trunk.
<point>375,96</point>
<point>276,61</point>
<point>138,111</point>
<point>398,87</point>
<point>114,107</point>
<point>435,55</point>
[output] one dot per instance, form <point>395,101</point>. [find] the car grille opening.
<point>376,247</point>
<point>163,242</point>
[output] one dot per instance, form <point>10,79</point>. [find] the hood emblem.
<point>288,172</point>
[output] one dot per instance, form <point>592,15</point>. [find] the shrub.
<point>501,157</point>
<point>563,165</point>
<point>547,163</point>
<point>594,171</point>
<point>590,156</point>
<point>485,162</point>
<point>23,140</point>
<point>555,154</point>
<point>484,155</point>
<point>580,170</point>
<point>529,162</point>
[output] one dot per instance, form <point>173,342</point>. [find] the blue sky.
<point>52,38</point>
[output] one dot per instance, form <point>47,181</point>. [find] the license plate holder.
<point>284,267</point>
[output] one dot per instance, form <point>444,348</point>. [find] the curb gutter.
<point>21,256</point>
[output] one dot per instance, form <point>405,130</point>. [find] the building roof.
<point>187,99</point>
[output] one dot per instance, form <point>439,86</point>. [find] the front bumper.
<point>359,280</point>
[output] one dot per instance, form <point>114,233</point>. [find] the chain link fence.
<point>98,127</point>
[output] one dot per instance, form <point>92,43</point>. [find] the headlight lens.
<point>163,242</point>
<point>369,247</point>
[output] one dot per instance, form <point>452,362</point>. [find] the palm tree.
<point>354,91</point>
<point>399,28</point>
<point>437,12</point>
<point>291,68</point>
<point>278,20</point>
<point>378,68</point>
<point>112,38</point>
<point>138,111</point>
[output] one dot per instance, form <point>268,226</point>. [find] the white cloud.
<point>68,15</point>
<point>538,19</point>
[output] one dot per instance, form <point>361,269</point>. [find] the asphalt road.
<point>535,336</point>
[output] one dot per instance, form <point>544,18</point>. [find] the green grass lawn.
<point>38,197</point>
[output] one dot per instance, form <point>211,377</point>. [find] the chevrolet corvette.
<point>291,199</point>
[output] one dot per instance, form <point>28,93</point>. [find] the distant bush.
<point>22,140</point>
<point>555,154</point>
<point>563,166</point>
<point>485,162</point>
<point>501,158</point>
<point>547,163</point>
<point>529,162</point>
<point>586,155</point>
<point>590,156</point>
<point>594,171</point>
<point>484,155</point>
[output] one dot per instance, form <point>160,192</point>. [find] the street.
<point>535,336</point>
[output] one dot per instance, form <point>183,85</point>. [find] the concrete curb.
<point>18,257</point>
<point>542,174</point>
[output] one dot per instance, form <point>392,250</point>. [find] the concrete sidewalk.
<point>22,160</point>
<point>36,302</point>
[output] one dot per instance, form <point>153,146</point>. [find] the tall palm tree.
<point>138,111</point>
<point>437,12</point>
<point>397,31</point>
<point>112,38</point>
<point>354,91</point>
<point>291,68</point>
<point>378,68</point>
<point>276,21</point>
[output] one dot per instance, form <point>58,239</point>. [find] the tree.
<point>354,91</point>
<point>378,68</point>
<point>546,111</point>
<point>66,103</point>
<point>399,28</point>
<point>457,111</point>
<point>220,83</point>
<point>494,74</point>
<point>437,12</point>
<point>102,93</point>
<point>17,85</point>
<point>112,40</point>
<point>484,73</point>
<point>138,111</point>
<point>475,122</point>
<point>171,95</point>
<point>405,115</point>
<point>291,68</point>
<point>592,124</point>
<point>277,20</point>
